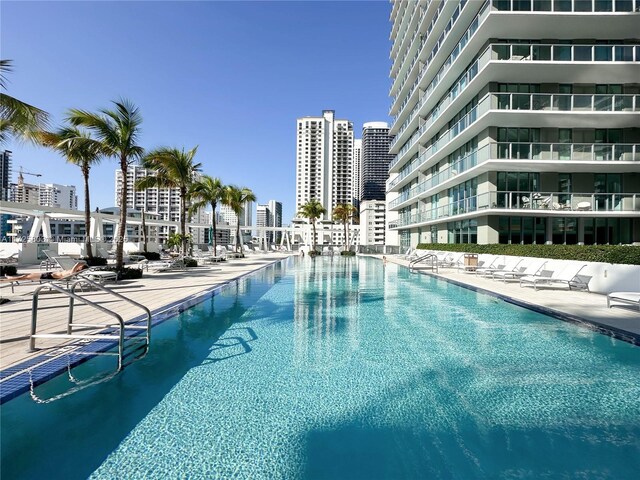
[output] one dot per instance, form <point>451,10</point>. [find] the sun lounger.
<point>9,259</point>
<point>532,269</point>
<point>552,278</point>
<point>510,265</point>
<point>630,298</point>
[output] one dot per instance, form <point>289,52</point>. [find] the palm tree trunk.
<point>313,240</point>
<point>144,230</point>
<point>238,234</point>
<point>123,215</point>
<point>87,214</point>
<point>213,224</point>
<point>183,220</point>
<point>346,236</point>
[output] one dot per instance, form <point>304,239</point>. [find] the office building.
<point>375,161</point>
<point>270,215</point>
<point>229,217</point>
<point>515,121</point>
<point>324,155</point>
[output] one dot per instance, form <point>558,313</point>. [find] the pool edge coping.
<point>17,379</point>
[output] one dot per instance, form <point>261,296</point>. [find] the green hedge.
<point>151,256</point>
<point>190,262</point>
<point>126,273</point>
<point>347,253</point>
<point>95,261</point>
<point>623,254</point>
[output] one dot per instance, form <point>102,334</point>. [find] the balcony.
<point>535,203</point>
<point>530,152</point>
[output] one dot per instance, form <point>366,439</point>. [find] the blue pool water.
<point>344,369</point>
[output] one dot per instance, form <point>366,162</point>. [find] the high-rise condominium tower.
<point>270,215</point>
<point>324,153</point>
<point>375,160</point>
<point>515,121</point>
<point>61,196</point>
<point>356,171</point>
<point>165,202</point>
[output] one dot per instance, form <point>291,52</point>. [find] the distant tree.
<point>312,210</point>
<point>172,168</point>
<point>78,148</point>
<point>207,191</point>
<point>117,130</point>
<point>344,213</point>
<point>18,119</point>
<point>235,198</point>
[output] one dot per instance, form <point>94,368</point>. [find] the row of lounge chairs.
<point>529,272</point>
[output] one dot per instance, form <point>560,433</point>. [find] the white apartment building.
<point>25,193</point>
<point>372,222</point>
<point>229,217</point>
<point>356,172</point>
<point>324,156</point>
<point>164,202</point>
<point>515,121</point>
<point>60,196</point>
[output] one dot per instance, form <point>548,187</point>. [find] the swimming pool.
<point>344,368</point>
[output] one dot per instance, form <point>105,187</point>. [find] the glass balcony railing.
<point>576,152</point>
<point>565,6</point>
<point>538,201</point>
<point>560,102</point>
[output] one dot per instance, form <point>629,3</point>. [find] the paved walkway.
<point>154,290</point>
<point>575,305</point>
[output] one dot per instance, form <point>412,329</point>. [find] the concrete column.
<point>549,231</point>
<point>580,231</point>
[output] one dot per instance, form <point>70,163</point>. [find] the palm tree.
<point>18,119</point>
<point>312,210</point>
<point>207,191</point>
<point>344,212</point>
<point>172,168</point>
<point>80,149</point>
<point>117,130</point>
<point>235,198</point>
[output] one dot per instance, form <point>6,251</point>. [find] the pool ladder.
<point>434,262</point>
<point>119,332</point>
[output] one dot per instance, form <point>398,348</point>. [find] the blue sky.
<point>231,77</point>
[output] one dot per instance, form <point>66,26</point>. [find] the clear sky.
<point>231,77</point>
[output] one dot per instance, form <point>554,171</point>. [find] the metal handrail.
<point>434,265</point>
<point>121,325</point>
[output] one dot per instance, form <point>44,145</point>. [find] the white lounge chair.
<point>553,278</point>
<point>531,269</point>
<point>631,298</point>
<point>510,265</point>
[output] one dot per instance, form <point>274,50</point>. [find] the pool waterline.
<point>324,373</point>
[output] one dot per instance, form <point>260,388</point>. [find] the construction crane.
<point>21,174</point>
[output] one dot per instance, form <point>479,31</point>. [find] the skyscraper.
<point>375,160</point>
<point>5,185</point>
<point>356,172</point>
<point>515,121</point>
<point>324,154</point>
<point>61,196</point>
<point>270,215</point>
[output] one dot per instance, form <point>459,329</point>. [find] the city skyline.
<point>225,66</point>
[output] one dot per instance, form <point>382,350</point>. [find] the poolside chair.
<point>552,278</point>
<point>510,265</point>
<point>48,263</point>
<point>12,259</point>
<point>167,265</point>
<point>532,268</point>
<point>630,298</point>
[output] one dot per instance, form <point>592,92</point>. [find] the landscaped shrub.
<point>621,254</point>
<point>190,262</point>
<point>125,273</point>
<point>151,256</point>
<point>314,253</point>
<point>95,261</point>
<point>347,253</point>
<point>8,270</point>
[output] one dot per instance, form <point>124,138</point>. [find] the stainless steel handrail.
<point>434,264</point>
<point>121,325</point>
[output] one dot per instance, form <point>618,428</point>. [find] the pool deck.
<point>157,291</point>
<point>620,321</point>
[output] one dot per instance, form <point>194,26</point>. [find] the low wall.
<point>605,277</point>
